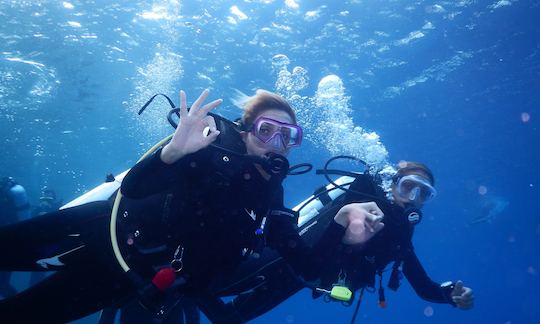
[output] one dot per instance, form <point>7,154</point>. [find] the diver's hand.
<point>462,296</point>
<point>361,220</point>
<point>189,136</point>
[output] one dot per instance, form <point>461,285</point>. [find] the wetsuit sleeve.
<point>283,236</point>
<point>424,287</point>
<point>280,283</point>
<point>152,175</point>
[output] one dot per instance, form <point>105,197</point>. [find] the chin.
<point>284,153</point>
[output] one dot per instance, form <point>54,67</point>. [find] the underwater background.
<point>453,84</point>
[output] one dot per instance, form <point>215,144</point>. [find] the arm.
<point>283,236</point>
<point>424,287</point>
<point>354,223</point>
<point>279,283</point>
<point>456,294</point>
<point>152,175</point>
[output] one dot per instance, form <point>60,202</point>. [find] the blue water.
<point>453,84</point>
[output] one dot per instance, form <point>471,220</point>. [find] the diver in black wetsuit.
<point>192,213</point>
<point>14,207</point>
<point>264,284</point>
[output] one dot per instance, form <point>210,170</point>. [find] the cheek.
<point>252,144</point>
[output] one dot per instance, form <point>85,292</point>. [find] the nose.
<point>414,194</point>
<point>277,142</point>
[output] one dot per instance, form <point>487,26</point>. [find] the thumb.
<point>212,136</point>
<point>458,288</point>
<point>379,226</point>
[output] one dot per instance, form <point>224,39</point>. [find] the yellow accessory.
<point>341,293</point>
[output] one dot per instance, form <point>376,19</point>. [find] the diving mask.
<point>415,188</point>
<point>267,130</point>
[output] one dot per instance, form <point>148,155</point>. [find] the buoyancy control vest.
<point>358,267</point>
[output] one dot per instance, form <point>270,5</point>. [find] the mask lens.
<point>290,135</point>
<point>265,131</point>
<point>415,188</point>
<point>426,193</point>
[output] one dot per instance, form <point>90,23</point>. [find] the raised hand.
<point>190,135</point>
<point>462,296</point>
<point>361,220</point>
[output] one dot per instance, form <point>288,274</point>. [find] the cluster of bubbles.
<point>437,72</point>
<point>24,83</point>
<point>160,75</point>
<point>327,118</point>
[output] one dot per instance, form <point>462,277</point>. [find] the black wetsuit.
<point>216,226</point>
<point>209,205</point>
<point>73,242</point>
<point>8,215</point>
<point>264,284</point>
<point>13,207</point>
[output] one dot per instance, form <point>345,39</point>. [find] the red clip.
<point>164,278</point>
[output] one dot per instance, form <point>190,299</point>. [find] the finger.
<point>200,100</point>
<point>211,123</point>
<point>378,227</point>
<point>369,227</point>
<point>374,209</point>
<point>457,300</point>
<point>206,109</point>
<point>463,304</point>
<point>467,292</point>
<point>212,137</point>
<point>183,104</point>
<point>373,218</point>
<point>462,299</point>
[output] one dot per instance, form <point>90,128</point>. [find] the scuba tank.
<point>15,197</point>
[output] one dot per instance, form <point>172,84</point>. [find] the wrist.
<point>447,288</point>
<point>168,156</point>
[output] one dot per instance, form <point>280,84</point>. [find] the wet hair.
<point>262,101</point>
<point>405,167</point>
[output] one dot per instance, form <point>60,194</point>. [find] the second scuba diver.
<point>262,284</point>
<point>191,214</point>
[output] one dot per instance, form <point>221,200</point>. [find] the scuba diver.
<point>48,202</point>
<point>14,206</point>
<point>189,213</point>
<point>262,284</point>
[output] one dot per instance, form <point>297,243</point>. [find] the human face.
<point>256,146</point>
<point>413,188</point>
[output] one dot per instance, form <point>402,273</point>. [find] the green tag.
<point>341,293</point>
